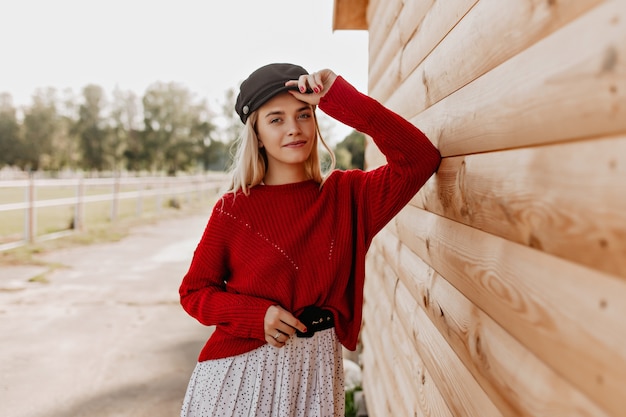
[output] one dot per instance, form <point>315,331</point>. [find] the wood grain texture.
<point>377,398</point>
<point>381,24</point>
<point>403,400</point>
<point>492,32</point>
<point>441,18</point>
<point>430,402</point>
<point>392,346</point>
<point>410,17</point>
<point>379,307</point>
<point>460,391</point>
<point>516,380</point>
<point>506,274</point>
<point>570,86</point>
<point>568,200</point>
<point>388,61</point>
<point>569,316</point>
<point>389,78</point>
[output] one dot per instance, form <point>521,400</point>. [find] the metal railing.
<point>159,188</point>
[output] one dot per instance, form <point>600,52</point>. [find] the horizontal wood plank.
<point>379,64</point>
<point>381,24</point>
<point>441,18</point>
<point>403,399</point>
<point>410,17</point>
<point>569,316</point>
<point>378,394</point>
<point>425,398</point>
<point>568,200</point>
<point>376,397</point>
<point>516,380</point>
<point>389,79</point>
<point>391,378</point>
<point>492,32</point>
<point>430,402</point>
<point>458,388</point>
<point>461,392</point>
<point>570,86</point>
<point>435,25</point>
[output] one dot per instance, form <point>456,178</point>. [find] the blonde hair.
<point>250,162</point>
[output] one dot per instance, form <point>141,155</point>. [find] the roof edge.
<point>350,15</point>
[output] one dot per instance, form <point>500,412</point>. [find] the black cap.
<point>263,84</point>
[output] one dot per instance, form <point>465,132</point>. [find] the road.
<point>102,332</point>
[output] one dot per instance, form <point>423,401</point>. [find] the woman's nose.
<point>293,127</point>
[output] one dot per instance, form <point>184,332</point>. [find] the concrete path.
<point>105,335</point>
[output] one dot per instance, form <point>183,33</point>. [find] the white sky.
<point>207,45</point>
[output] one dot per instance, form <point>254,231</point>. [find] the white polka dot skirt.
<point>304,378</point>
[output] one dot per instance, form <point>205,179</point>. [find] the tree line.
<point>166,130</point>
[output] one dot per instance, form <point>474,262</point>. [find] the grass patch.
<point>40,279</point>
<point>100,231</point>
<point>351,406</point>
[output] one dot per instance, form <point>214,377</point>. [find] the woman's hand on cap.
<point>318,82</point>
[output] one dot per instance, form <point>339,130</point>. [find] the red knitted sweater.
<point>298,244</point>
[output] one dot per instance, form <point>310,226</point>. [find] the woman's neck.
<point>285,176</point>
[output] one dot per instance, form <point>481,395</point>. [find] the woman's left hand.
<point>279,325</point>
<point>318,82</point>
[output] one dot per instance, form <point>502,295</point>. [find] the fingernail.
<point>305,330</point>
<point>301,89</point>
<point>317,90</point>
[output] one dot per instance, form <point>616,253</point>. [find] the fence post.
<point>30,220</point>
<point>159,196</point>
<point>114,202</point>
<point>139,206</point>
<point>79,208</point>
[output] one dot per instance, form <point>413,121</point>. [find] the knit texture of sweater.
<point>300,244</point>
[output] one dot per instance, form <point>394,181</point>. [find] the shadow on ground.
<point>158,397</point>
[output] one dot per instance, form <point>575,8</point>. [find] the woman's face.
<point>286,129</point>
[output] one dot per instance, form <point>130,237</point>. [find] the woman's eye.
<point>275,120</point>
<point>305,116</point>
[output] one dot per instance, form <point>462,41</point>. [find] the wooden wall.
<point>501,289</point>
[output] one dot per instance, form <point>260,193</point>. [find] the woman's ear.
<point>260,144</point>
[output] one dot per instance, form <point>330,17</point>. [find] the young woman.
<point>280,267</point>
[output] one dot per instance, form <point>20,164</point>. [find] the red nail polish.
<point>317,90</point>
<point>302,89</point>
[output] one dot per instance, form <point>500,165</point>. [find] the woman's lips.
<point>295,144</point>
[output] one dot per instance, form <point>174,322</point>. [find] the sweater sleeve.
<point>411,157</point>
<point>203,291</point>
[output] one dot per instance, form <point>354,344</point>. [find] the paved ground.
<point>105,336</point>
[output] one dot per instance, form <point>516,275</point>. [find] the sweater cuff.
<point>332,103</point>
<point>346,104</point>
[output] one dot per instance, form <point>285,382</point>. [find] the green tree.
<point>9,131</point>
<point>93,132</point>
<point>66,142</point>
<point>175,127</point>
<point>40,126</point>
<point>230,122</point>
<point>351,151</point>
<point>216,156</point>
<point>126,135</point>
<point>230,128</point>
